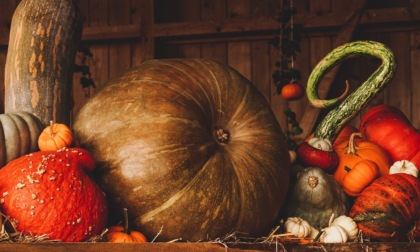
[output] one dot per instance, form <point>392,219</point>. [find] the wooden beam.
<point>111,32</point>
<point>311,22</point>
<point>382,17</point>
<point>311,113</point>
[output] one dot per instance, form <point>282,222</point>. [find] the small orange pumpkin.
<point>122,234</point>
<point>292,91</point>
<point>356,150</point>
<point>362,174</point>
<point>54,137</point>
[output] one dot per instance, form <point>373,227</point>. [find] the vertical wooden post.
<point>43,43</point>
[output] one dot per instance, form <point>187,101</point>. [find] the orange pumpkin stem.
<point>351,149</point>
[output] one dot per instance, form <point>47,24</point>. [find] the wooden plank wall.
<point>255,59</point>
<point>247,51</point>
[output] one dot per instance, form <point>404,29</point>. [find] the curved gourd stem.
<point>352,105</point>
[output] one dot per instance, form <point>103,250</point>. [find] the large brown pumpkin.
<point>189,146</point>
<point>44,36</point>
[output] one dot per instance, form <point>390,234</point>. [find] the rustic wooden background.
<point>124,33</point>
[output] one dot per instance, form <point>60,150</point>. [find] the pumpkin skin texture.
<point>50,193</point>
<point>388,209</point>
<point>388,127</point>
<point>357,149</point>
<point>188,138</point>
<point>19,134</point>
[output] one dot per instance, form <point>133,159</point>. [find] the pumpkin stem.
<point>51,129</point>
<point>344,94</point>
<point>313,181</point>
<point>221,135</point>
<point>352,146</point>
<point>331,220</point>
<point>125,212</point>
<point>318,236</point>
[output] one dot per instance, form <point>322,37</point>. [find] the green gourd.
<point>318,150</point>
<point>337,118</point>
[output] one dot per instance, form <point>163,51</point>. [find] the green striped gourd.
<point>318,150</point>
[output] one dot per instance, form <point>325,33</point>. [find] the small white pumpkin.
<point>333,234</point>
<point>321,144</point>
<point>348,224</point>
<point>404,166</point>
<point>298,227</point>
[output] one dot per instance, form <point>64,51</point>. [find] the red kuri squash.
<point>50,193</point>
<point>388,209</point>
<point>388,127</point>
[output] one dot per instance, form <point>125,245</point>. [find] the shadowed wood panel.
<point>120,51</point>
<point>214,10</point>
<point>415,79</point>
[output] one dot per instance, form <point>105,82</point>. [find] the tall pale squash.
<point>43,43</point>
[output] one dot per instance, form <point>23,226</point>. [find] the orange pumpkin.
<point>54,137</point>
<point>292,91</point>
<point>362,174</point>
<point>121,234</point>
<point>356,150</point>
<point>344,135</point>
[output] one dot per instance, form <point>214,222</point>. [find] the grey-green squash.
<point>315,196</point>
<point>19,134</point>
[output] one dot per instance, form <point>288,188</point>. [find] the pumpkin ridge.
<point>24,133</point>
<point>239,107</point>
<point>12,141</point>
<point>146,217</point>
<point>198,84</point>
<point>245,125</point>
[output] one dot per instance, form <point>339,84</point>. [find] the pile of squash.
<point>367,173</point>
<point>188,148</point>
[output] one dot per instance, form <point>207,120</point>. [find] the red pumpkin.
<point>388,127</point>
<point>292,91</point>
<point>388,209</point>
<point>50,193</point>
<point>309,155</point>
